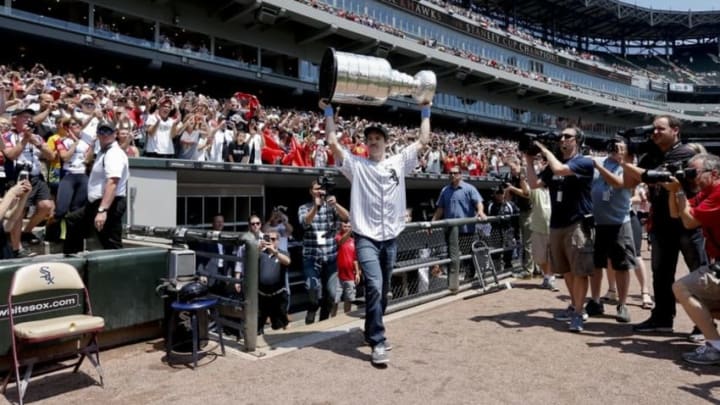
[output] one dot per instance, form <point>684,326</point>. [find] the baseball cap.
<point>107,125</point>
<point>20,111</point>
<point>376,128</point>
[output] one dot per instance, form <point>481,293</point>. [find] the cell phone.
<point>23,175</point>
<point>266,238</point>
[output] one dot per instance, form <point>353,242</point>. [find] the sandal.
<point>647,302</point>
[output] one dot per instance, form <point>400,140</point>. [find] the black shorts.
<point>40,191</point>
<point>614,242</point>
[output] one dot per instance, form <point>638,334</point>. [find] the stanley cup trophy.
<point>366,80</point>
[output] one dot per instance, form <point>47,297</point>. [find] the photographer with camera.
<point>279,222</point>
<point>517,190</point>
<point>23,149</point>
<point>320,220</point>
<point>652,169</point>
<point>378,203</point>
<point>699,291</point>
<point>569,180</point>
<point>614,244</point>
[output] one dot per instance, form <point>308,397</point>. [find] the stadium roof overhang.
<point>606,19</point>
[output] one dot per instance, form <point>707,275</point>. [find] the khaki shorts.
<point>540,247</point>
<point>571,249</point>
<point>703,285</point>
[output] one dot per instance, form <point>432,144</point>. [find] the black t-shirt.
<point>658,196</point>
<point>570,195</point>
<point>238,151</point>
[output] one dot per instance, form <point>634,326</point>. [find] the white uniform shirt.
<point>377,193</point>
<point>161,142</point>
<point>112,163</point>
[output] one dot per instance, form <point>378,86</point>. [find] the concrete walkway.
<point>494,348</point>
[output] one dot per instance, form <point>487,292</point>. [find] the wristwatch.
<point>101,210</point>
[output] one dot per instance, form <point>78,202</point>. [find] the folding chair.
<point>48,277</point>
<point>483,262</point>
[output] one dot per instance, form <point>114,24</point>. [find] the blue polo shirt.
<point>611,206</point>
<point>460,202</point>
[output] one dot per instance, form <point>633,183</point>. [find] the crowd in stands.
<point>155,122</point>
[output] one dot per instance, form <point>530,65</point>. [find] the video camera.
<point>504,178</point>
<point>527,142</point>
<point>326,184</point>
<point>637,140</point>
<point>679,170</point>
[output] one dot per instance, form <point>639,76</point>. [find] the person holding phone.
<point>24,148</point>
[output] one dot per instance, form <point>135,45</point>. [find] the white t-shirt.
<point>377,192</point>
<point>161,142</point>
<point>254,146</point>
<point>222,137</point>
<point>112,163</point>
<point>76,163</point>
<point>91,129</point>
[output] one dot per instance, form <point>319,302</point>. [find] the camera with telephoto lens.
<point>504,178</point>
<point>326,184</point>
<point>527,142</point>
<point>672,169</point>
<point>638,139</point>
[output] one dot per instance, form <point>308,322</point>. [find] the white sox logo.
<point>45,271</point>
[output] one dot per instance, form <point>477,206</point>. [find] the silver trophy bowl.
<point>349,78</point>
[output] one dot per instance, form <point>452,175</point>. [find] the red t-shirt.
<point>705,207</point>
<point>360,150</point>
<point>346,258</point>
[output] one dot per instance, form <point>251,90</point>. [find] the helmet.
<point>192,291</point>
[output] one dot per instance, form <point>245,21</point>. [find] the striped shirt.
<point>319,236</point>
<point>377,193</point>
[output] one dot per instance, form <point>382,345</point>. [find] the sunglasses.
<point>254,223</point>
<point>105,132</point>
<point>273,239</point>
<point>454,173</point>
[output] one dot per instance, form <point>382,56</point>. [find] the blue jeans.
<point>666,245</point>
<point>377,260</point>
<point>321,283</point>
<point>72,193</point>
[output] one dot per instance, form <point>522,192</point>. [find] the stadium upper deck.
<point>606,19</point>
<point>471,68</point>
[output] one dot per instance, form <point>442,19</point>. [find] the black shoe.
<point>652,325</point>
<point>309,317</point>
<point>594,308</point>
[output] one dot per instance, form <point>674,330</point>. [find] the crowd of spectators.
<point>156,122</point>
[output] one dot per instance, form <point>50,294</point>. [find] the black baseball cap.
<point>106,124</point>
<point>21,111</point>
<point>376,128</point>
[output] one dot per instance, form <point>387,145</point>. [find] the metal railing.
<point>251,259</point>
<point>434,260</point>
